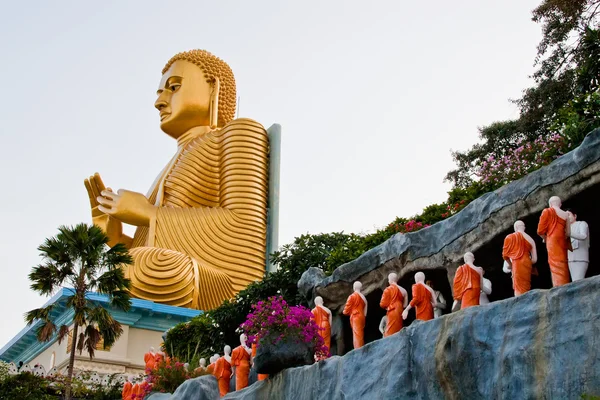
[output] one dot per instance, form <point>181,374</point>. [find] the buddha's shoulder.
<point>246,125</point>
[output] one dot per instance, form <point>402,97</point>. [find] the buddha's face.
<point>183,99</point>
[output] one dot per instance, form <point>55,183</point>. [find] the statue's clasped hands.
<point>129,207</point>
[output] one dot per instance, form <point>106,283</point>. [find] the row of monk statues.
<point>567,243</point>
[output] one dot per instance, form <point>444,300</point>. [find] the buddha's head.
<point>197,89</point>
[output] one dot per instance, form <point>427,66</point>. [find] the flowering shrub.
<point>405,227</point>
<point>167,376</point>
<point>525,158</point>
<point>273,320</point>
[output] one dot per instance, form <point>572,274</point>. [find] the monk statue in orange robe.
<point>150,359</point>
<point>240,362</point>
<point>211,367</point>
<point>468,283</point>
<point>554,230</point>
<point>423,299</point>
<point>322,316</point>
<point>223,371</point>
<point>356,308</point>
<point>394,299</point>
<point>520,254</point>
<point>202,367</point>
<point>127,390</point>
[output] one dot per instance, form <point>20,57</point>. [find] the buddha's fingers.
<point>91,194</point>
<point>99,184</point>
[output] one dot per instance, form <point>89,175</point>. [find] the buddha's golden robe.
<point>208,240</point>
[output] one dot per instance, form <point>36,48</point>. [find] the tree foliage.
<point>564,98</point>
<point>78,259</point>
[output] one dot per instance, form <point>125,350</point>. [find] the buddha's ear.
<point>214,104</point>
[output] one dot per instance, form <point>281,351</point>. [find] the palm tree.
<point>79,258</point>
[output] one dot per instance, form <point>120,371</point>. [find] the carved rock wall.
<point>544,344</point>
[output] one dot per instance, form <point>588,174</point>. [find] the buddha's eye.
<point>174,87</point>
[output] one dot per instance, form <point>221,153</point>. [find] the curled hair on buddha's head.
<point>213,68</point>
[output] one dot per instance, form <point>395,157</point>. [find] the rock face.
<point>270,358</point>
<point>480,228</point>
<point>542,345</point>
<point>202,388</point>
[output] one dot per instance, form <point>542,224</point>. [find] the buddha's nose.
<point>160,103</point>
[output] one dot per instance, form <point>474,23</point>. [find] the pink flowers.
<point>274,320</point>
<point>409,226</point>
<point>525,158</point>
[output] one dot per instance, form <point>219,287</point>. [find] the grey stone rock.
<point>479,225</point>
<point>273,358</point>
<point>542,345</point>
<point>309,279</point>
<point>202,388</point>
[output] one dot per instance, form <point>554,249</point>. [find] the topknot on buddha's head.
<point>213,67</point>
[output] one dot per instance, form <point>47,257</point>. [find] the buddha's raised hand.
<point>130,207</point>
<point>110,225</point>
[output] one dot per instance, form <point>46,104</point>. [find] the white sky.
<point>371,96</point>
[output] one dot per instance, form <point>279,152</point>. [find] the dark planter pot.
<point>273,358</point>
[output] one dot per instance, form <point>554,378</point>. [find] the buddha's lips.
<point>164,115</point>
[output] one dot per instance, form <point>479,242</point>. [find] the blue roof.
<point>143,314</point>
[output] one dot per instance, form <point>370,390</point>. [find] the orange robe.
<point>240,359</point>
<point>518,250</point>
<point>467,286</point>
<point>211,368</point>
<point>261,377</point>
<point>421,301</point>
<point>557,244</point>
<point>223,375</point>
<point>150,360</point>
<point>393,301</point>
<point>322,319</point>
<point>137,392</point>
<point>355,308</point>
<point>127,391</point>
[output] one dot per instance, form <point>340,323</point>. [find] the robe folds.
<point>421,301</point>
<point>208,239</point>
<point>127,391</point>
<point>392,300</point>
<point>223,374</point>
<point>557,244</point>
<point>467,286</point>
<point>240,359</point>
<point>321,318</point>
<point>355,308</point>
<point>518,249</point>
<point>150,360</point>
<point>211,368</point>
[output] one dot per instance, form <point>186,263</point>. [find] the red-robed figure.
<point>553,228</point>
<point>394,299</point>
<point>322,317</point>
<point>468,282</point>
<point>520,254</point>
<point>356,308</point>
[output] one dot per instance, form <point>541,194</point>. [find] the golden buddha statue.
<point>201,229</point>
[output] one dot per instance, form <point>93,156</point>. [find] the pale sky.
<point>371,96</point>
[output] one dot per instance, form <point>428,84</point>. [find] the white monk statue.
<point>579,257</point>
<point>423,299</point>
<point>356,308</point>
<point>322,316</point>
<point>383,325</point>
<point>439,300</point>
<point>487,289</point>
